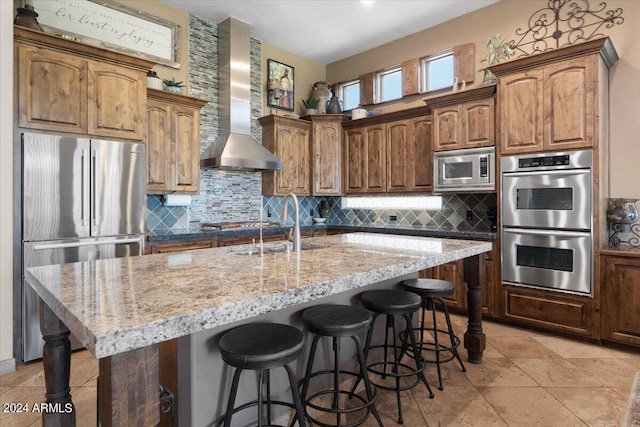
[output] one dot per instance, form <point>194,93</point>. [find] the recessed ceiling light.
<point>366,2</point>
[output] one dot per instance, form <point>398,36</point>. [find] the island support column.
<point>474,277</point>
<point>56,356</point>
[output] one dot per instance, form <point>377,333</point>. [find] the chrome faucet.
<point>294,235</point>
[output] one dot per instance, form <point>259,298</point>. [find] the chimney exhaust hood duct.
<point>235,148</point>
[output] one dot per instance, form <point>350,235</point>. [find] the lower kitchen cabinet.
<point>620,299</point>
<point>554,311</point>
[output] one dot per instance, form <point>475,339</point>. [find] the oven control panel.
<point>536,162</point>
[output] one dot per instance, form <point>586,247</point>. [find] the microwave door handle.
<point>563,172</point>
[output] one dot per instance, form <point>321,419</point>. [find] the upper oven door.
<point>559,199</point>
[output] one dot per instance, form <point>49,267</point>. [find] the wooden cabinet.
<point>388,154</point>
<point>66,86</point>
<point>365,159</point>
<point>464,119</point>
<point>620,295</point>
<point>554,101</point>
<point>246,239</point>
<point>326,154</point>
<point>173,143</point>
<point>289,140</point>
<point>180,245</point>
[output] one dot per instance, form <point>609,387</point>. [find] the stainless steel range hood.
<point>235,148</point>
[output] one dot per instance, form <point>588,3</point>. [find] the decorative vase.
<point>26,17</point>
<point>310,111</point>
<point>323,93</point>
<point>489,77</point>
<point>153,81</point>
<point>325,209</point>
<point>175,89</point>
<point>334,106</point>
<point>622,211</point>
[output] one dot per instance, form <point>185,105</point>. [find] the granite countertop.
<point>195,232</point>
<point>117,305</point>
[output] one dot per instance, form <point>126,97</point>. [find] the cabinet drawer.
<point>548,309</point>
<point>163,248</point>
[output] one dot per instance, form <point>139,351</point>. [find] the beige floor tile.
<point>529,406</point>
<point>84,399</point>
<point>595,406</point>
<point>4,389</point>
<point>521,347</point>
<point>614,373</point>
<point>556,373</point>
<point>489,352</point>
<point>458,406</point>
<point>495,329</point>
<point>574,349</point>
<point>452,375</point>
<point>388,408</point>
<point>498,372</point>
<point>82,370</point>
<point>21,374</point>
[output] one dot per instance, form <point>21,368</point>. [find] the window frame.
<point>379,87</point>
<point>424,67</point>
<point>341,90</point>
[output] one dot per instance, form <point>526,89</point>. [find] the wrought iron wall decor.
<point>633,235</point>
<point>562,23</point>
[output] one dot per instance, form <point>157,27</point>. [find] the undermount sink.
<point>276,247</point>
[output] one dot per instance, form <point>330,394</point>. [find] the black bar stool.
<point>261,347</point>
<point>429,291</point>
<point>390,303</point>
<point>338,321</point>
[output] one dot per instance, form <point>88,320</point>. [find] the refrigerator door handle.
<point>84,165</point>
<point>91,243</point>
<point>94,190</point>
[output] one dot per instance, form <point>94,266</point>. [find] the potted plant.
<point>173,86</point>
<point>311,105</point>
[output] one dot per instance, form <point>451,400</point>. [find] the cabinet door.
<point>292,148</point>
<point>159,142</point>
<point>453,272</point>
<point>421,163</point>
<point>399,156</point>
<point>447,128</point>
<point>186,152</point>
<point>52,90</point>
<point>621,299</point>
<point>569,105</point>
<point>375,154</point>
<point>521,112</point>
<point>478,123</point>
<point>117,100</point>
<point>327,157</point>
<point>355,161</point>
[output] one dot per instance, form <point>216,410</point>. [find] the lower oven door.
<point>550,259</point>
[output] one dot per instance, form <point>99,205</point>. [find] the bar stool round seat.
<point>431,290</point>
<point>391,303</point>
<point>261,347</point>
<point>338,321</point>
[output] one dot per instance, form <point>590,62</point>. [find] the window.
<point>349,94</point>
<point>389,85</point>
<point>437,71</point>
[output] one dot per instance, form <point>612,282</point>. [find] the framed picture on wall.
<point>280,85</point>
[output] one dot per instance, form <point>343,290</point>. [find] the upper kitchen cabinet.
<point>289,140</point>
<point>388,153</point>
<point>464,119</point>
<point>173,143</point>
<point>555,100</point>
<point>326,154</point>
<point>67,86</point>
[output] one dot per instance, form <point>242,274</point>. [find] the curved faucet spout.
<point>295,238</point>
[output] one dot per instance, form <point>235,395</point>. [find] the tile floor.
<point>527,378</point>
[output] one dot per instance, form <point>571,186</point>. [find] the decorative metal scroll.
<point>562,23</point>
<point>633,232</point>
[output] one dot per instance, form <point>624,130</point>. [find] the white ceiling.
<point>327,31</point>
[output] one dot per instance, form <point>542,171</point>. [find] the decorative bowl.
<point>319,220</point>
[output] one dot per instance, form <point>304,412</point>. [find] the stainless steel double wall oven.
<point>547,221</point>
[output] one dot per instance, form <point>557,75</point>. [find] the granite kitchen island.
<point>121,309</point>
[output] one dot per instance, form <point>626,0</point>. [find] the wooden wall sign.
<point>111,25</point>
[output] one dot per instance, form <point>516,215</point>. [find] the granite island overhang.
<point>118,307</point>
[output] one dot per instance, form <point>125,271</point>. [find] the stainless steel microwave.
<point>464,170</point>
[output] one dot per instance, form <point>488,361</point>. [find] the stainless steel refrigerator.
<point>82,199</point>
